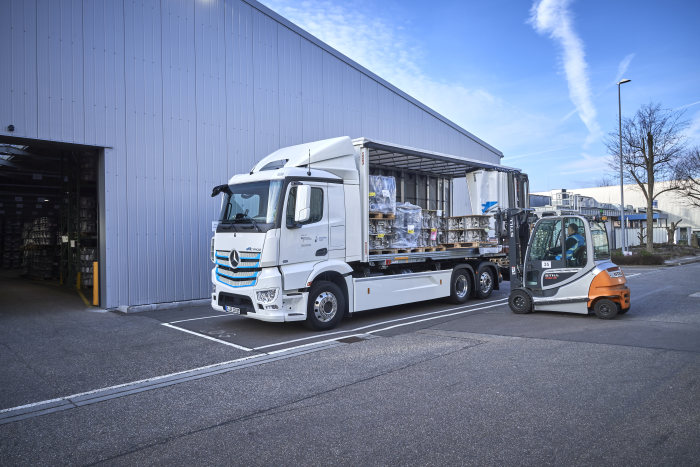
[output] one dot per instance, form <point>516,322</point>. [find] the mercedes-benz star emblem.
<point>234,258</point>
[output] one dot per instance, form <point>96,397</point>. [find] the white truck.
<point>293,240</point>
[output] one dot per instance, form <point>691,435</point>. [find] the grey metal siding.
<point>183,94</point>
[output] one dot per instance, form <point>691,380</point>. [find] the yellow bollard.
<point>95,282</point>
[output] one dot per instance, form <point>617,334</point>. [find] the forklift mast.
<point>518,231</point>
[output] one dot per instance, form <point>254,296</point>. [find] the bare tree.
<point>605,180</point>
<point>641,235</point>
<point>688,177</point>
<point>671,231</point>
<point>652,146</point>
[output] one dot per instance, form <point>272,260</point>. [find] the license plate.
<point>232,309</point>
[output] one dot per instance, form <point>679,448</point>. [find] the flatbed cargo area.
<point>419,205</point>
<point>422,256</point>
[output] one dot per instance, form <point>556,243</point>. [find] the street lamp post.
<point>622,185</point>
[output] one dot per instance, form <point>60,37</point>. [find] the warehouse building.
<point>117,117</point>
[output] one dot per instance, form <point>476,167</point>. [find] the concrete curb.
<point>681,261</point>
<point>161,306</point>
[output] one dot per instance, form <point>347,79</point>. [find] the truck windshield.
<point>252,203</point>
<point>600,241</point>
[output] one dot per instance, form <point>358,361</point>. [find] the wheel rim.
<point>461,286</point>
<point>325,306</point>
<point>520,302</point>
<point>485,282</point>
<point>604,309</point>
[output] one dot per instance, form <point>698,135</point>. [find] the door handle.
<point>322,252</point>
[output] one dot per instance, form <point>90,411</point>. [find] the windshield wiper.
<point>245,217</point>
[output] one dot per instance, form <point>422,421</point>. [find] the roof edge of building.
<point>310,37</point>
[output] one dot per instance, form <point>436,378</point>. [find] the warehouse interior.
<point>49,217</point>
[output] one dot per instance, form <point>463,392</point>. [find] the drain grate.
<point>351,339</point>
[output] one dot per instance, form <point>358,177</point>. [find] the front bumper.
<point>285,307</point>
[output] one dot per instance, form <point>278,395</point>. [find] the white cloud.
<point>623,66</point>
<point>385,48</point>
<point>553,17</point>
<point>585,164</point>
<point>687,105</point>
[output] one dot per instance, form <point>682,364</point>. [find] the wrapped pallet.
<point>382,194</point>
<point>407,225</point>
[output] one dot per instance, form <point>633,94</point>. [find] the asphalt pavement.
<point>423,384</point>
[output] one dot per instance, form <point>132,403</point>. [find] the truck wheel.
<point>605,309</point>
<point>484,286</point>
<point>460,286</point>
<point>520,302</point>
<point>326,306</point>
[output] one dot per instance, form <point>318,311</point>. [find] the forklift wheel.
<point>605,309</point>
<point>520,302</point>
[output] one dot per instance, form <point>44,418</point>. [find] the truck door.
<point>307,241</point>
<point>544,252</point>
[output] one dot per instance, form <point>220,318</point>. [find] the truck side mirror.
<point>302,209</point>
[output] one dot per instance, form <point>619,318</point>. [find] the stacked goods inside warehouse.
<point>48,214</point>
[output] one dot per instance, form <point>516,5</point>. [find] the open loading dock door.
<point>49,215</point>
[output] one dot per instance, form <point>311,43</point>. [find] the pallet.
<point>385,251</point>
<point>412,250</point>
<point>461,245</point>
<point>381,215</point>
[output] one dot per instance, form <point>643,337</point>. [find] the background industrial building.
<point>669,207</point>
<point>117,117</point>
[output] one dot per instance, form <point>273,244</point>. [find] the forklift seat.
<point>579,256</point>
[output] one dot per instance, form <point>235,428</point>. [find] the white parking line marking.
<point>632,275</point>
<point>203,317</point>
<point>387,328</point>
<point>231,344</point>
<point>380,323</point>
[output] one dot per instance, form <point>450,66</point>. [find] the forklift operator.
<point>573,240</point>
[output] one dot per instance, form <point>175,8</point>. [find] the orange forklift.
<point>564,265</point>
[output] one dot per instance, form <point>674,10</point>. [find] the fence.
<point>632,235</point>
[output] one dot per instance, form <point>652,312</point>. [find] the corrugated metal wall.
<point>185,93</point>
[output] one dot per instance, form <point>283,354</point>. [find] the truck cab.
<point>281,226</point>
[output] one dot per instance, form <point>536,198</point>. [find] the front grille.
<point>245,275</point>
<point>233,283</point>
<point>237,273</point>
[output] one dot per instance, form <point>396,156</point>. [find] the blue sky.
<point>536,79</point>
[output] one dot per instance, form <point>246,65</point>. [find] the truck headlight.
<point>266,295</point>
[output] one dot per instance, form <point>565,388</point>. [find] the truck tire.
<point>520,302</point>
<point>460,286</point>
<point>605,309</point>
<point>326,306</point>
<point>484,283</point>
